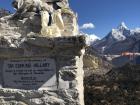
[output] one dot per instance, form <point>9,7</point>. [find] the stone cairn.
<point>41,55</point>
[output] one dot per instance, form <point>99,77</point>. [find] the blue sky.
<point>104,14</point>
<point>107,14</point>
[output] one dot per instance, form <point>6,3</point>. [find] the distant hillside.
<point>94,63</point>
<point>119,86</point>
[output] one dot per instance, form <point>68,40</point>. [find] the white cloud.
<point>87,26</point>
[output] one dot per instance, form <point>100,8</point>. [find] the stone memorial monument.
<point>41,55</point>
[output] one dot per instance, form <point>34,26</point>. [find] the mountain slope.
<point>120,86</point>
<point>94,63</point>
<point>91,39</point>
<point>118,40</point>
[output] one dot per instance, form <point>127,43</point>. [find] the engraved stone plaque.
<point>29,73</point>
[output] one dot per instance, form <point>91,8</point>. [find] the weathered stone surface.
<point>23,97</point>
<point>30,73</point>
<point>67,54</point>
<point>21,42</point>
<point>52,21</point>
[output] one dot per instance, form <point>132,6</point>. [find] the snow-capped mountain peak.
<point>119,40</point>
<point>122,26</point>
<point>117,35</point>
<point>123,29</point>
<point>94,37</point>
<point>120,33</point>
<point>90,39</point>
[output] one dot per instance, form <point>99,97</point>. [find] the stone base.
<point>35,97</point>
<point>42,71</point>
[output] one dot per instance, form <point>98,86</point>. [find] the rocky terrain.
<point>94,63</point>
<point>120,86</point>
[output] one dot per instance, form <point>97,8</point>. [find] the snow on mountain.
<point>90,39</point>
<point>114,36</point>
<point>124,29</point>
<point>120,33</point>
<point>122,26</point>
<point>119,40</point>
<point>135,31</point>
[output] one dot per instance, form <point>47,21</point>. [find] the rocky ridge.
<point>122,36</point>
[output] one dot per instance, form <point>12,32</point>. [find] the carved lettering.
<point>29,74</point>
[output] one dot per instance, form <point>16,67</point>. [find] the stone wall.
<point>56,60</point>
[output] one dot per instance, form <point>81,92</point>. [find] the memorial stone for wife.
<point>41,55</point>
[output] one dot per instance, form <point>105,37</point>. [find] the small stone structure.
<point>42,71</point>
<point>36,68</point>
